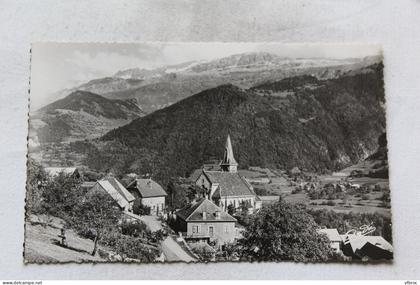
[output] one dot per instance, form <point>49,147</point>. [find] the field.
<point>366,199</point>
<point>42,244</point>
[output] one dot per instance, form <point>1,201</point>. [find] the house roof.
<point>194,212</point>
<point>148,188</point>
<point>230,184</point>
<point>359,241</point>
<point>117,191</point>
<point>332,234</point>
<point>54,171</point>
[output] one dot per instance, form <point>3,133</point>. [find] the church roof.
<point>230,184</point>
<point>194,212</point>
<point>228,158</point>
<point>148,188</point>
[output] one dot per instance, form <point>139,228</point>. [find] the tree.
<point>61,194</point>
<point>284,231</point>
<point>243,214</point>
<point>35,185</point>
<point>97,211</point>
<point>231,209</point>
<point>181,191</point>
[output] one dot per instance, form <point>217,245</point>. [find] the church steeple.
<point>229,163</point>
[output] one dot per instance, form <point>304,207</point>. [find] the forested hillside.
<point>317,125</point>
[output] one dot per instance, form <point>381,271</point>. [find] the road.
<point>171,249</point>
<point>174,252</point>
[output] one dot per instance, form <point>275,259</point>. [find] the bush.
<point>134,229</point>
<point>261,191</point>
<point>297,190</point>
<point>331,203</point>
<point>140,209</point>
<point>132,247</point>
<point>365,197</point>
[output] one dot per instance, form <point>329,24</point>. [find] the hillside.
<point>81,115</point>
<point>321,125</point>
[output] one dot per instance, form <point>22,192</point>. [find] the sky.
<point>56,66</point>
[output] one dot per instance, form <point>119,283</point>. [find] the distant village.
<point>211,219</point>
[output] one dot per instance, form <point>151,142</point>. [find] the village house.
<point>225,187</point>
<point>116,190</point>
<point>366,247</point>
<point>69,171</point>
<point>202,220</point>
<point>334,238</point>
<point>150,194</point>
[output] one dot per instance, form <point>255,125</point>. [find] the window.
<point>226,229</point>
<point>211,231</point>
<point>195,229</point>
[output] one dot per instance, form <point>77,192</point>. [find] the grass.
<point>42,245</point>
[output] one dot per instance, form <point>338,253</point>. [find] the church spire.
<point>229,163</point>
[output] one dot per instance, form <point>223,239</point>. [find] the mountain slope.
<point>82,115</point>
<point>321,126</point>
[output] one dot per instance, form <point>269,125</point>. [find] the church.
<point>225,187</point>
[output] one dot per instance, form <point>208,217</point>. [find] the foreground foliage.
<point>284,231</point>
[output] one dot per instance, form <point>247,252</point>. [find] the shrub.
<point>135,229</point>
<point>331,203</point>
<point>261,191</point>
<point>140,209</point>
<point>365,197</point>
<point>132,247</point>
<point>297,190</point>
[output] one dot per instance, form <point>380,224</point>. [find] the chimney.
<point>217,215</point>
<point>204,215</point>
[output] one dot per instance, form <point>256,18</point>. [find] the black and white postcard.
<point>207,152</point>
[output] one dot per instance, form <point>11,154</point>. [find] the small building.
<point>150,194</point>
<point>334,237</point>
<point>366,247</point>
<point>117,191</point>
<point>268,200</point>
<point>203,220</point>
<point>55,171</point>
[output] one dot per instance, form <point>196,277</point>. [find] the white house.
<point>334,237</point>
<point>69,171</point>
<point>117,191</point>
<point>150,194</point>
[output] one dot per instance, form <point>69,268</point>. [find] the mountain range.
<point>316,123</point>
<point>160,87</point>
